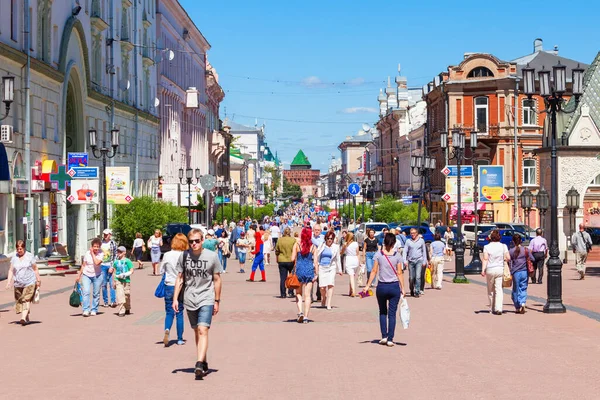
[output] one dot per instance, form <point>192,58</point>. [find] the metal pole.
<point>459,276</point>
<point>354,207</point>
<point>105,199</point>
<point>475,266</point>
<point>232,206</point>
<point>189,182</point>
<point>362,218</point>
<point>422,175</point>
<point>222,205</point>
<point>515,150</point>
<point>554,281</point>
<point>29,214</point>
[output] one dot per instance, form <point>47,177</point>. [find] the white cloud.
<point>312,81</point>
<point>356,81</point>
<point>358,110</point>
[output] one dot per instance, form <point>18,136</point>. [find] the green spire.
<point>300,160</point>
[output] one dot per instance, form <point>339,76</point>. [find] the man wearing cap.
<point>122,269</point>
<point>109,250</point>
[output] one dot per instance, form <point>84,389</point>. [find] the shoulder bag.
<point>160,289</point>
<point>183,261</point>
<point>530,269</point>
<point>588,245</point>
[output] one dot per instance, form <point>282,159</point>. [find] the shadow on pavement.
<point>29,323</point>
<point>81,314</point>
<point>191,370</point>
<point>482,312</point>
<point>376,341</point>
<point>171,343</point>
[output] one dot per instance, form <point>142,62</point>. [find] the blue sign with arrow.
<point>354,189</point>
<point>84,172</point>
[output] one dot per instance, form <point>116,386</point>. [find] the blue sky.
<point>319,65</point>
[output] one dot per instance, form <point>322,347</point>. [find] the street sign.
<point>83,172</point>
<point>504,197</point>
<point>354,189</point>
<point>77,160</point>
<point>451,171</point>
<point>491,183</point>
<point>60,178</point>
<point>207,182</point>
<point>446,197</point>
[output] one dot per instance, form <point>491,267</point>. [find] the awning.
<point>4,169</point>
<point>49,167</point>
<point>466,208</point>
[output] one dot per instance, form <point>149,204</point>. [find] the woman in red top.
<point>258,256</point>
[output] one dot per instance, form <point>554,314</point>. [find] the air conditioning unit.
<point>6,134</point>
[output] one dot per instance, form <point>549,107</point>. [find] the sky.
<point>311,70</point>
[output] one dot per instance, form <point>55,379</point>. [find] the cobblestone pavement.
<point>454,349</point>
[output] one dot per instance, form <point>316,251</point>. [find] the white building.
<point>92,66</point>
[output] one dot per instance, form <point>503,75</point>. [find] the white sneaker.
<point>86,313</point>
<point>383,341</point>
<point>390,344</point>
<point>93,313</point>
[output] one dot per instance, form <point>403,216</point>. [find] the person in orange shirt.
<point>258,256</point>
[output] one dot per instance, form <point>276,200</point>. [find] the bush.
<point>144,215</point>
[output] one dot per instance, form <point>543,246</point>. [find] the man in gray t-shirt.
<point>581,242</point>
<point>201,270</point>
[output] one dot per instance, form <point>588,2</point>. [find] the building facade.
<point>302,174</point>
<point>86,73</point>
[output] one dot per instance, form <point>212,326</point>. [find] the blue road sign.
<point>84,172</point>
<point>77,160</point>
<point>465,171</point>
<point>354,189</point>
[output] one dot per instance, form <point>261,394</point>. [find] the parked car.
<point>169,231</point>
<point>425,232</point>
<point>505,237</point>
<point>361,230</point>
<point>468,231</point>
<point>524,229</point>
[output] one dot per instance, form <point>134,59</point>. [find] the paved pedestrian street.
<point>453,349</point>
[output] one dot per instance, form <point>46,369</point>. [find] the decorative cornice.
<point>92,94</point>
<point>36,65</point>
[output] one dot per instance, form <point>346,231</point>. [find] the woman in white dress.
<point>154,244</point>
<point>327,263</point>
<point>350,250</point>
<point>449,239</point>
<point>267,246</point>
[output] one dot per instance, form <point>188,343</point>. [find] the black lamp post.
<point>457,152</point>
<point>526,204</point>
<point>104,153</point>
<point>189,177</point>
<point>236,190</point>
<point>542,202</point>
<point>8,93</point>
<point>363,187</point>
<point>572,206</point>
<point>553,101</point>
<point>421,166</point>
<point>222,187</point>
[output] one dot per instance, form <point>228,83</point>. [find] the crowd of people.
<point>313,249</point>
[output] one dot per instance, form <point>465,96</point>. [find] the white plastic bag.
<point>361,279</point>
<point>36,296</point>
<point>404,313</point>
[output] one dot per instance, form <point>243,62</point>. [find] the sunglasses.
<point>197,241</point>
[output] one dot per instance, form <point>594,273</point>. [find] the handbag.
<point>292,282</point>
<point>160,289</point>
<point>530,269</point>
<point>404,313</point>
<point>36,296</point>
<point>75,298</point>
<point>506,276</point>
<point>428,276</point>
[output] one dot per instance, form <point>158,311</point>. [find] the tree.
<point>271,190</point>
<point>291,190</point>
<point>144,214</point>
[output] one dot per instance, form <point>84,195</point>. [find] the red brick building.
<point>301,174</point>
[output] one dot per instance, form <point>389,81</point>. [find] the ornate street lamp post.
<point>572,206</point>
<point>457,152</point>
<point>8,94</point>
<point>421,166</point>
<point>553,101</point>
<point>542,202</point>
<point>526,204</point>
<point>189,178</point>
<point>104,153</point>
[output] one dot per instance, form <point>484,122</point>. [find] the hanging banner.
<point>491,183</point>
<point>77,160</point>
<point>466,188</point>
<point>84,191</point>
<point>190,198</point>
<point>118,185</point>
<point>170,193</point>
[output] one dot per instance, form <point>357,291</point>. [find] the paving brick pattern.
<point>454,349</point>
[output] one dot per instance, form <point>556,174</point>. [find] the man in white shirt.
<point>275,233</point>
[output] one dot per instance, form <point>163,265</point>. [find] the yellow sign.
<point>118,185</point>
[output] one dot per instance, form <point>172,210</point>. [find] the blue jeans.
<point>388,296</point>
<point>519,289</point>
<point>170,313</point>
<point>414,276</point>
<point>107,279</point>
<point>223,260</point>
<point>86,284</point>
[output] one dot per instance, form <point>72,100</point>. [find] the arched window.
<point>481,114</point>
<point>480,72</point>
<point>596,181</point>
<point>43,30</point>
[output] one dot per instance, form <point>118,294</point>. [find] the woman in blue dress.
<point>302,255</point>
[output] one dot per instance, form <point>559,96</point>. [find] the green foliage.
<point>348,209</point>
<point>271,190</point>
<point>291,190</point>
<point>200,206</point>
<point>247,211</point>
<point>144,215</point>
<point>387,209</point>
